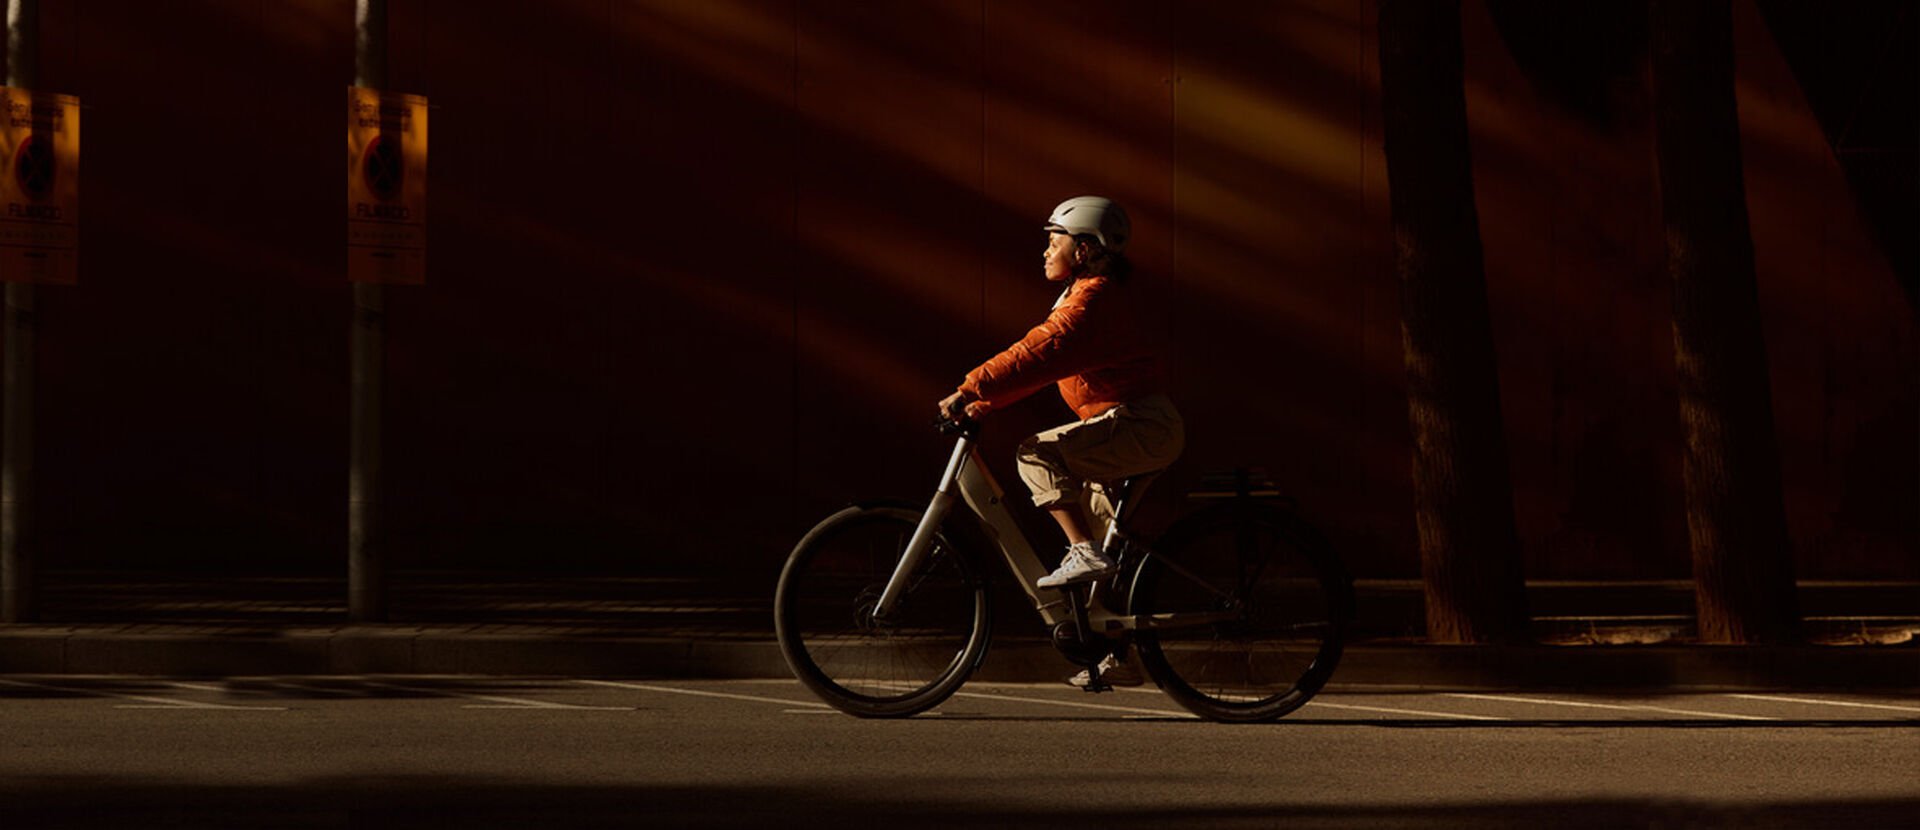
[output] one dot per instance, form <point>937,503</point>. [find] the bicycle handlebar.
<point>956,426</point>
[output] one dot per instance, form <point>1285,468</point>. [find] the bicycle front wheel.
<point>902,665</point>
<point>1274,604</point>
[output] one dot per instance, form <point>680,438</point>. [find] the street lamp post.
<point>17,600</point>
<point>366,572</point>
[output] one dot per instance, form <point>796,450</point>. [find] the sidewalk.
<point>1592,635</point>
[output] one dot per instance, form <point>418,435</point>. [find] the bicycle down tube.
<point>929,526</point>
<point>984,495</point>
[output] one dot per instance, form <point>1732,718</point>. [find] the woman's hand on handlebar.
<point>953,407</point>
<point>961,406</point>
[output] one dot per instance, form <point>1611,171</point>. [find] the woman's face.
<point>1061,250</point>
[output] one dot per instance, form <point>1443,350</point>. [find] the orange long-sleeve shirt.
<point>1095,344</point>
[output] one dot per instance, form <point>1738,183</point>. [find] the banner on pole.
<point>386,187</point>
<point>40,188</point>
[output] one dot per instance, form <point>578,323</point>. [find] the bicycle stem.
<point>942,503</point>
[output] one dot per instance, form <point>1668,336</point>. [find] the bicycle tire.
<point>908,664</point>
<point>1292,596</point>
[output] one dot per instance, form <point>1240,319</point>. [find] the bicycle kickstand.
<point>1094,683</point>
<point>1079,598</point>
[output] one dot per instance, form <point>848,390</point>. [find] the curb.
<point>412,651</point>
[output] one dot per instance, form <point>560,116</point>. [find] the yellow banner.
<point>386,187</point>
<point>40,188</point>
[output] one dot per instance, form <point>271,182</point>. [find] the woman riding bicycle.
<point>1096,344</point>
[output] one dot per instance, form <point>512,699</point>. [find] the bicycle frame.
<point>967,478</point>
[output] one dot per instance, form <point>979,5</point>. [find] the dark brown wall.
<point>700,268</point>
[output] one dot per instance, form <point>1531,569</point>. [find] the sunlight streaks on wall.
<point>1268,128</point>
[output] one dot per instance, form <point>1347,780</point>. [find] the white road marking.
<point>1614,706</point>
<point>198,687</point>
<point>1131,712</point>
<point>147,702</point>
<point>1310,704</point>
<point>670,690</point>
<point>548,706</point>
<point>1164,713</point>
<point>500,702</point>
<point>1318,701</point>
<point>1829,702</point>
<point>1455,715</point>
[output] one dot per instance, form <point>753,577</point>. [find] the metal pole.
<point>366,578</point>
<point>16,445</point>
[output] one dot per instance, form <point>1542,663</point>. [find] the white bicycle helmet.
<point>1095,216</point>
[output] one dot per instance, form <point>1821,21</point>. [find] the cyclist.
<point>1096,344</point>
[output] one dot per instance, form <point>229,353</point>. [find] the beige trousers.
<point>1128,440</point>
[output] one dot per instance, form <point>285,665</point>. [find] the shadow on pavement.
<point>56,803</point>
<point>1603,723</point>
<point>1437,723</point>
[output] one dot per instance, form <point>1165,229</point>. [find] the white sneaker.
<point>1083,564</point>
<point>1113,672</point>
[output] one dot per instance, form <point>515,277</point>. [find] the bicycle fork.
<point>937,511</point>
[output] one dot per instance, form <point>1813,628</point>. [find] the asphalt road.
<point>486,753</point>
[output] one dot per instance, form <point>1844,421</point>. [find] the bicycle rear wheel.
<point>1286,599</point>
<point>900,666</point>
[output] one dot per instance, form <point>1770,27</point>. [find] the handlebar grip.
<point>956,426</point>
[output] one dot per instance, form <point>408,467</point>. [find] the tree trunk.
<point>1463,498</point>
<point>1742,562</point>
